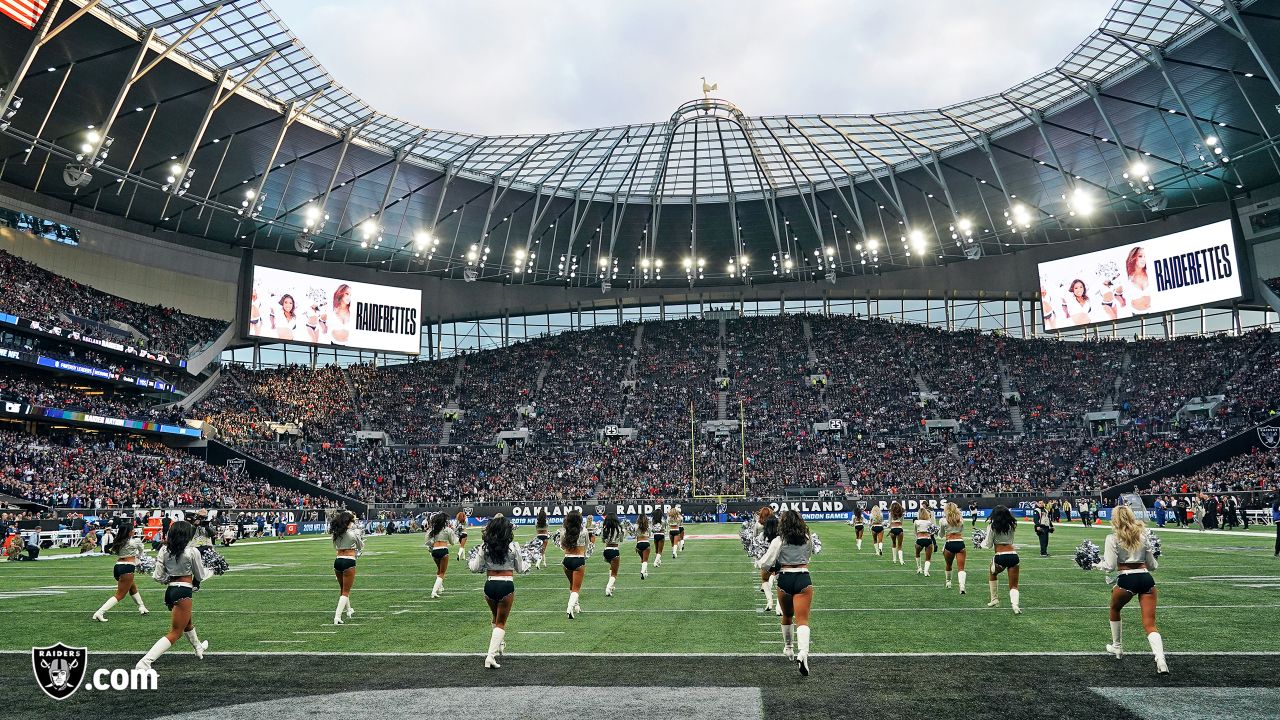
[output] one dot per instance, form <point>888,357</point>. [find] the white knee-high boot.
<point>137,598</point>
<point>802,648</point>
<point>196,643</point>
<point>1157,649</point>
<point>438,588</point>
<point>161,647</point>
<point>572,608</point>
<point>342,605</point>
<point>927,563</point>
<point>495,646</point>
<point>608,588</point>
<point>962,575</point>
<point>644,570</point>
<point>1117,638</point>
<point>102,611</point>
<point>859,541</point>
<point>1013,600</point>
<point>786,642</point>
<point>991,585</point>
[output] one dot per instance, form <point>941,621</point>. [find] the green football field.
<point>696,620</point>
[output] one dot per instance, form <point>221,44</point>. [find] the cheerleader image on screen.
<point>500,558</point>
<point>348,543</point>
<point>284,319</point>
<point>953,548</point>
<point>1129,553</point>
<point>896,512</point>
<point>1000,538</point>
<point>440,537</point>
<point>180,568</point>
<point>877,528</point>
<point>924,539</point>
<point>335,322</point>
<point>642,543</point>
<point>791,551</point>
<point>573,540</point>
<point>612,534</point>
<point>129,554</point>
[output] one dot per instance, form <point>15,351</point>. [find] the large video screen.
<point>1175,271</point>
<point>296,307</point>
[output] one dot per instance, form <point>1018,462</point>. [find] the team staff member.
<point>439,538</point>
<point>791,551</point>
<point>954,548</point>
<point>128,551</point>
<point>500,559</point>
<point>1043,527</point>
<point>178,566</point>
<point>1128,554</point>
<point>347,543</point>
<point>1000,538</point>
<point>612,534</point>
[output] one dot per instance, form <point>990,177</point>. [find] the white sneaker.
<point>994,603</point>
<point>1115,650</point>
<point>204,645</point>
<point>490,663</point>
<point>99,617</point>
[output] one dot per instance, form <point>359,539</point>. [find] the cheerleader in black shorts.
<point>500,559</point>
<point>573,540</point>
<point>770,573</point>
<point>924,539</point>
<point>680,526</point>
<point>896,513</point>
<point>461,520</point>
<point>612,534</point>
<point>954,548</point>
<point>790,551</point>
<point>877,528</point>
<point>674,529</point>
<point>178,566</point>
<point>1000,538</point>
<point>543,535</point>
<point>1128,554</point>
<point>128,551</point>
<point>659,535</point>
<point>859,523</point>
<point>642,543</point>
<point>439,537</point>
<point>347,543</point>
<point>757,531</point>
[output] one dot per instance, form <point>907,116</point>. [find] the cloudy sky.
<point>504,66</point>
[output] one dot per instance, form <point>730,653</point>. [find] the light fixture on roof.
<point>9,111</point>
<point>313,218</point>
<point>1082,202</point>
<point>178,181</point>
<point>251,205</point>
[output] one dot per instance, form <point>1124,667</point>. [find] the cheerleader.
<point>1000,537</point>
<point>348,543</point>
<point>769,575</point>
<point>674,529</point>
<point>954,548</point>
<point>924,539</point>
<point>178,566</point>
<point>543,536</point>
<point>612,534</point>
<point>763,516</point>
<point>500,559</point>
<point>659,534</point>
<point>461,520</point>
<point>680,525</point>
<point>895,533</point>
<point>439,537</point>
<point>1128,554</point>
<point>642,543</point>
<point>128,551</point>
<point>573,540</point>
<point>790,551</point>
<point>858,522</point>
<point>877,528</point>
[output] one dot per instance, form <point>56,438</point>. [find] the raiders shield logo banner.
<point>59,669</point>
<point>599,509</point>
<point>1270,436</point>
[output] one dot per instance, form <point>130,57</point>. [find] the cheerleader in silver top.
<point>659,535</point>
<point>439,538</point>
<point>129,553</point>
<point>790,551</point>
<point>765,531</point>
<point>859,523</point>
<point>896,513</point>
<point>178,566</point>
<point>877,528</point>
<point>954,549</point>
<point>461,520</point>
<point>642,543</point>
<point>500,558</point>
<point>348,544</point>
<point>675,529</point>
<point>1000,538</point>
<point>573,540</point>
<point>1128,553</point>
<point>612,534</point>
<point>924,539</point>
<point>543,534</point>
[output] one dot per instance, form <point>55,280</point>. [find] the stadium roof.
<point>1173,85</point>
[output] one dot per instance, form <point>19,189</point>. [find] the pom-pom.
<point>933,529</point>
<point>591,548</point>
<point>1088,555</point>
<point>817,543</point>
<point>474,552</point>
<point>758,548</point>
<point>213,561</point>
<point>1153,545</point>
<point>979,537</point>
<point>146,564</point>
<point>532,552</point>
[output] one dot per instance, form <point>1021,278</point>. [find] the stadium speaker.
<point>973,251</point>
<point>303,243</point>
<point>76,176</point>
<point>605,287</point>
<point>1157,202</point>
<point>470,274</point>
<point>831,276</point>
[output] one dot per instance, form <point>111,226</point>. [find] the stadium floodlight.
<point>252,203</point>
<point>1081,202</point>
<point>178,181</point>
<point>9,111</point>
<point>313,218</point>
